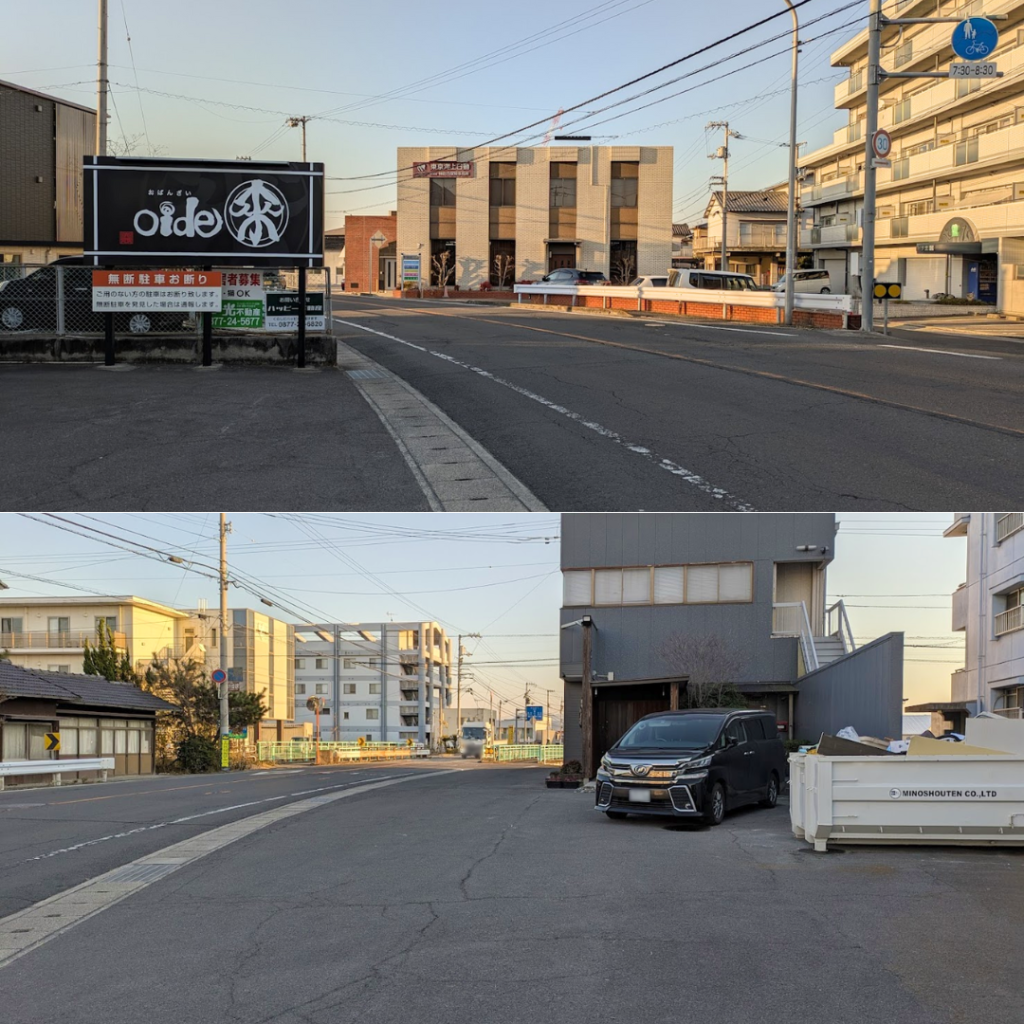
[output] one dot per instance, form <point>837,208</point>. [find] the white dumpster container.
<point>956,800</point>
<point>797,790</point>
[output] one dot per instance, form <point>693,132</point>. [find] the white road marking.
<point>941,352</point>
<point>28,929</point>
<point>694,479</point>
<point>742,330</point>
<point>188,817</point>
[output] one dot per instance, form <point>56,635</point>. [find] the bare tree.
<point>444,267</point>
<point>504,266</point>
<point>625,268</point>
<point>710,667</point>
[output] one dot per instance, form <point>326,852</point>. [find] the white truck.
<point>474,737</point>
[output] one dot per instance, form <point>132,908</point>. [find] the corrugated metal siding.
<point>573,744</point>
<point>864,689</point>
<point>26,152</point>
<point>75,138</point>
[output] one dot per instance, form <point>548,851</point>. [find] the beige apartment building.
<point>511,214</point>
<point>48,634</point>
<point>950,209</point>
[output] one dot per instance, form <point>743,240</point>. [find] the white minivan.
<point>718,280</point>
<point>816,281</point>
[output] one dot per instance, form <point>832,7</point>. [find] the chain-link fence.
<point>56,299</point>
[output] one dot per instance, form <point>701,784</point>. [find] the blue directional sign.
<point>534,713</point>
<point>975,39</point>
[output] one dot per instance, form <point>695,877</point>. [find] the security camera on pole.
<point>973,38</point>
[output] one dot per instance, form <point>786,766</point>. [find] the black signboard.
<point>141,212</point>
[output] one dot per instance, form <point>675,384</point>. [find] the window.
<point>372,714</point>
<point>901,112</point>
<point>716,583</point>
<point>321,688</point>
<point>1011,617</point>
<point>904,54</point>
<point>300,662</point>
<point>300,689</point>
<point>59,627</point>
<point>58,668</point>
<point>966,152</point>
<point>10,632</point>
<point>321,663</point>
<point>563,184</point>
<point>374,687</point>
<point>348,687</point>
<point>965,86</point>
<point>213,638</point>
<point>503,263</point>
<point>442,191</point>
<point>901,169</point>
<point>735,731</point>
<point>625,182</point>
<point>109,620</point>
<point>375,663</point>
<point>351,663</point>
<point>442,260</point>
<point>755,728</point>
<point>345,715</point>
<point>503,184</point>
<point>408,639</point>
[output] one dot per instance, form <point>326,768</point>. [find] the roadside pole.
<point>867,259</point>
<point>791,240</point>
<point>222,639</point>
<point>102,85</point>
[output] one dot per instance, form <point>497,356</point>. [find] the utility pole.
<point>587,700</point>
<point>867,259</point>
<point>295,122</point>
<point>500,702</point>
<point>722,154</point>
<point>102,84</point>
<point>791,229</point>
<point>876,22</point>
<point>225,725</point>
<point>547,720</point>
<point>458,684</point>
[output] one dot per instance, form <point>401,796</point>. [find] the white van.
<point>816,281</point>
<point>721,280</point>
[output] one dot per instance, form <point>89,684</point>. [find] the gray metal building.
<point>757,581</point>
<point>42,142</point>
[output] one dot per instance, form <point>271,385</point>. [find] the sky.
<point>497,575</point>
<point>219,80</point>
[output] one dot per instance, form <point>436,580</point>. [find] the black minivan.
<point>693,764</point>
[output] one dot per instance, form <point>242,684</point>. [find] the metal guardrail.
<point>1009,621</point>
<point>56,768</point>
<point>838,624</point>
<point>331,751</point>
<point>550,753</point>
<point>789,618</point>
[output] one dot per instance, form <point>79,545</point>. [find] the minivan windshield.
<point>472,733</point>
<point>671,732</point>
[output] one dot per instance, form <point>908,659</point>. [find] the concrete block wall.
<point>532,192</point>
<point>593,182</point>
<point>472,220</point>
<point>654,210</point>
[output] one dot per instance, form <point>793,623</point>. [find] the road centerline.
<point>941,352</point>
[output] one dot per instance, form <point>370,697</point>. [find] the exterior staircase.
<point>828,649</point>
<point>791,619</point>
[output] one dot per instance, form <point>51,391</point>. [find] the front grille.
<point>620,771</point>
<point>681,798</point>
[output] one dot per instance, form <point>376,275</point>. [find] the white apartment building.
<point>950,209</point>
<point>989,608</point>
<point>601,208</point>
<point>50,633</point>
<point>380,681</point>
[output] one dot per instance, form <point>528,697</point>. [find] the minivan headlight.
<point>700,762</point>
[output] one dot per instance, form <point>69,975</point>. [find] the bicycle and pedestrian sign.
<point>974,41</point>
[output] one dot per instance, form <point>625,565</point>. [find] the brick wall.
<point>360,274</point>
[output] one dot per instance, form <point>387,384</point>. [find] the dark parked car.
<point>30,304</point>
<point>565,275</point>
<point>693,764</point>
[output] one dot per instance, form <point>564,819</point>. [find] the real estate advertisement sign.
<point>443,169</point>
<point>410,272</point>
<point>149,291</point>
<point>146,212</point>
<point>283,311</point>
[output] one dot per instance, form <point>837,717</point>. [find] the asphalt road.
<point>479,895</point>
<point>595,412</point>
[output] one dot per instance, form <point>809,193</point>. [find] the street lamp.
<point>791,205</point>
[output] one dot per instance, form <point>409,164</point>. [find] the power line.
<point>145,127</point>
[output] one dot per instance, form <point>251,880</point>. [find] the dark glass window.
<point>563,184</point>
<point>442,191</point>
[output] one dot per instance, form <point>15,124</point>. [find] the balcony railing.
<point>56,639</point>
<point>1008,712</point>
<point>789,618</point>
<point>1008,523</point>
<point>959,621</point>
<point>1010,620</point>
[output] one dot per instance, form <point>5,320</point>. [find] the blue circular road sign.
<point>975,39</point>
<point>218,675</point>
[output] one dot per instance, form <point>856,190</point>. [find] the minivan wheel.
<point>771,795</point>
<point>616,815</point>
<point>716,805</point>
<point>825,291</point>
